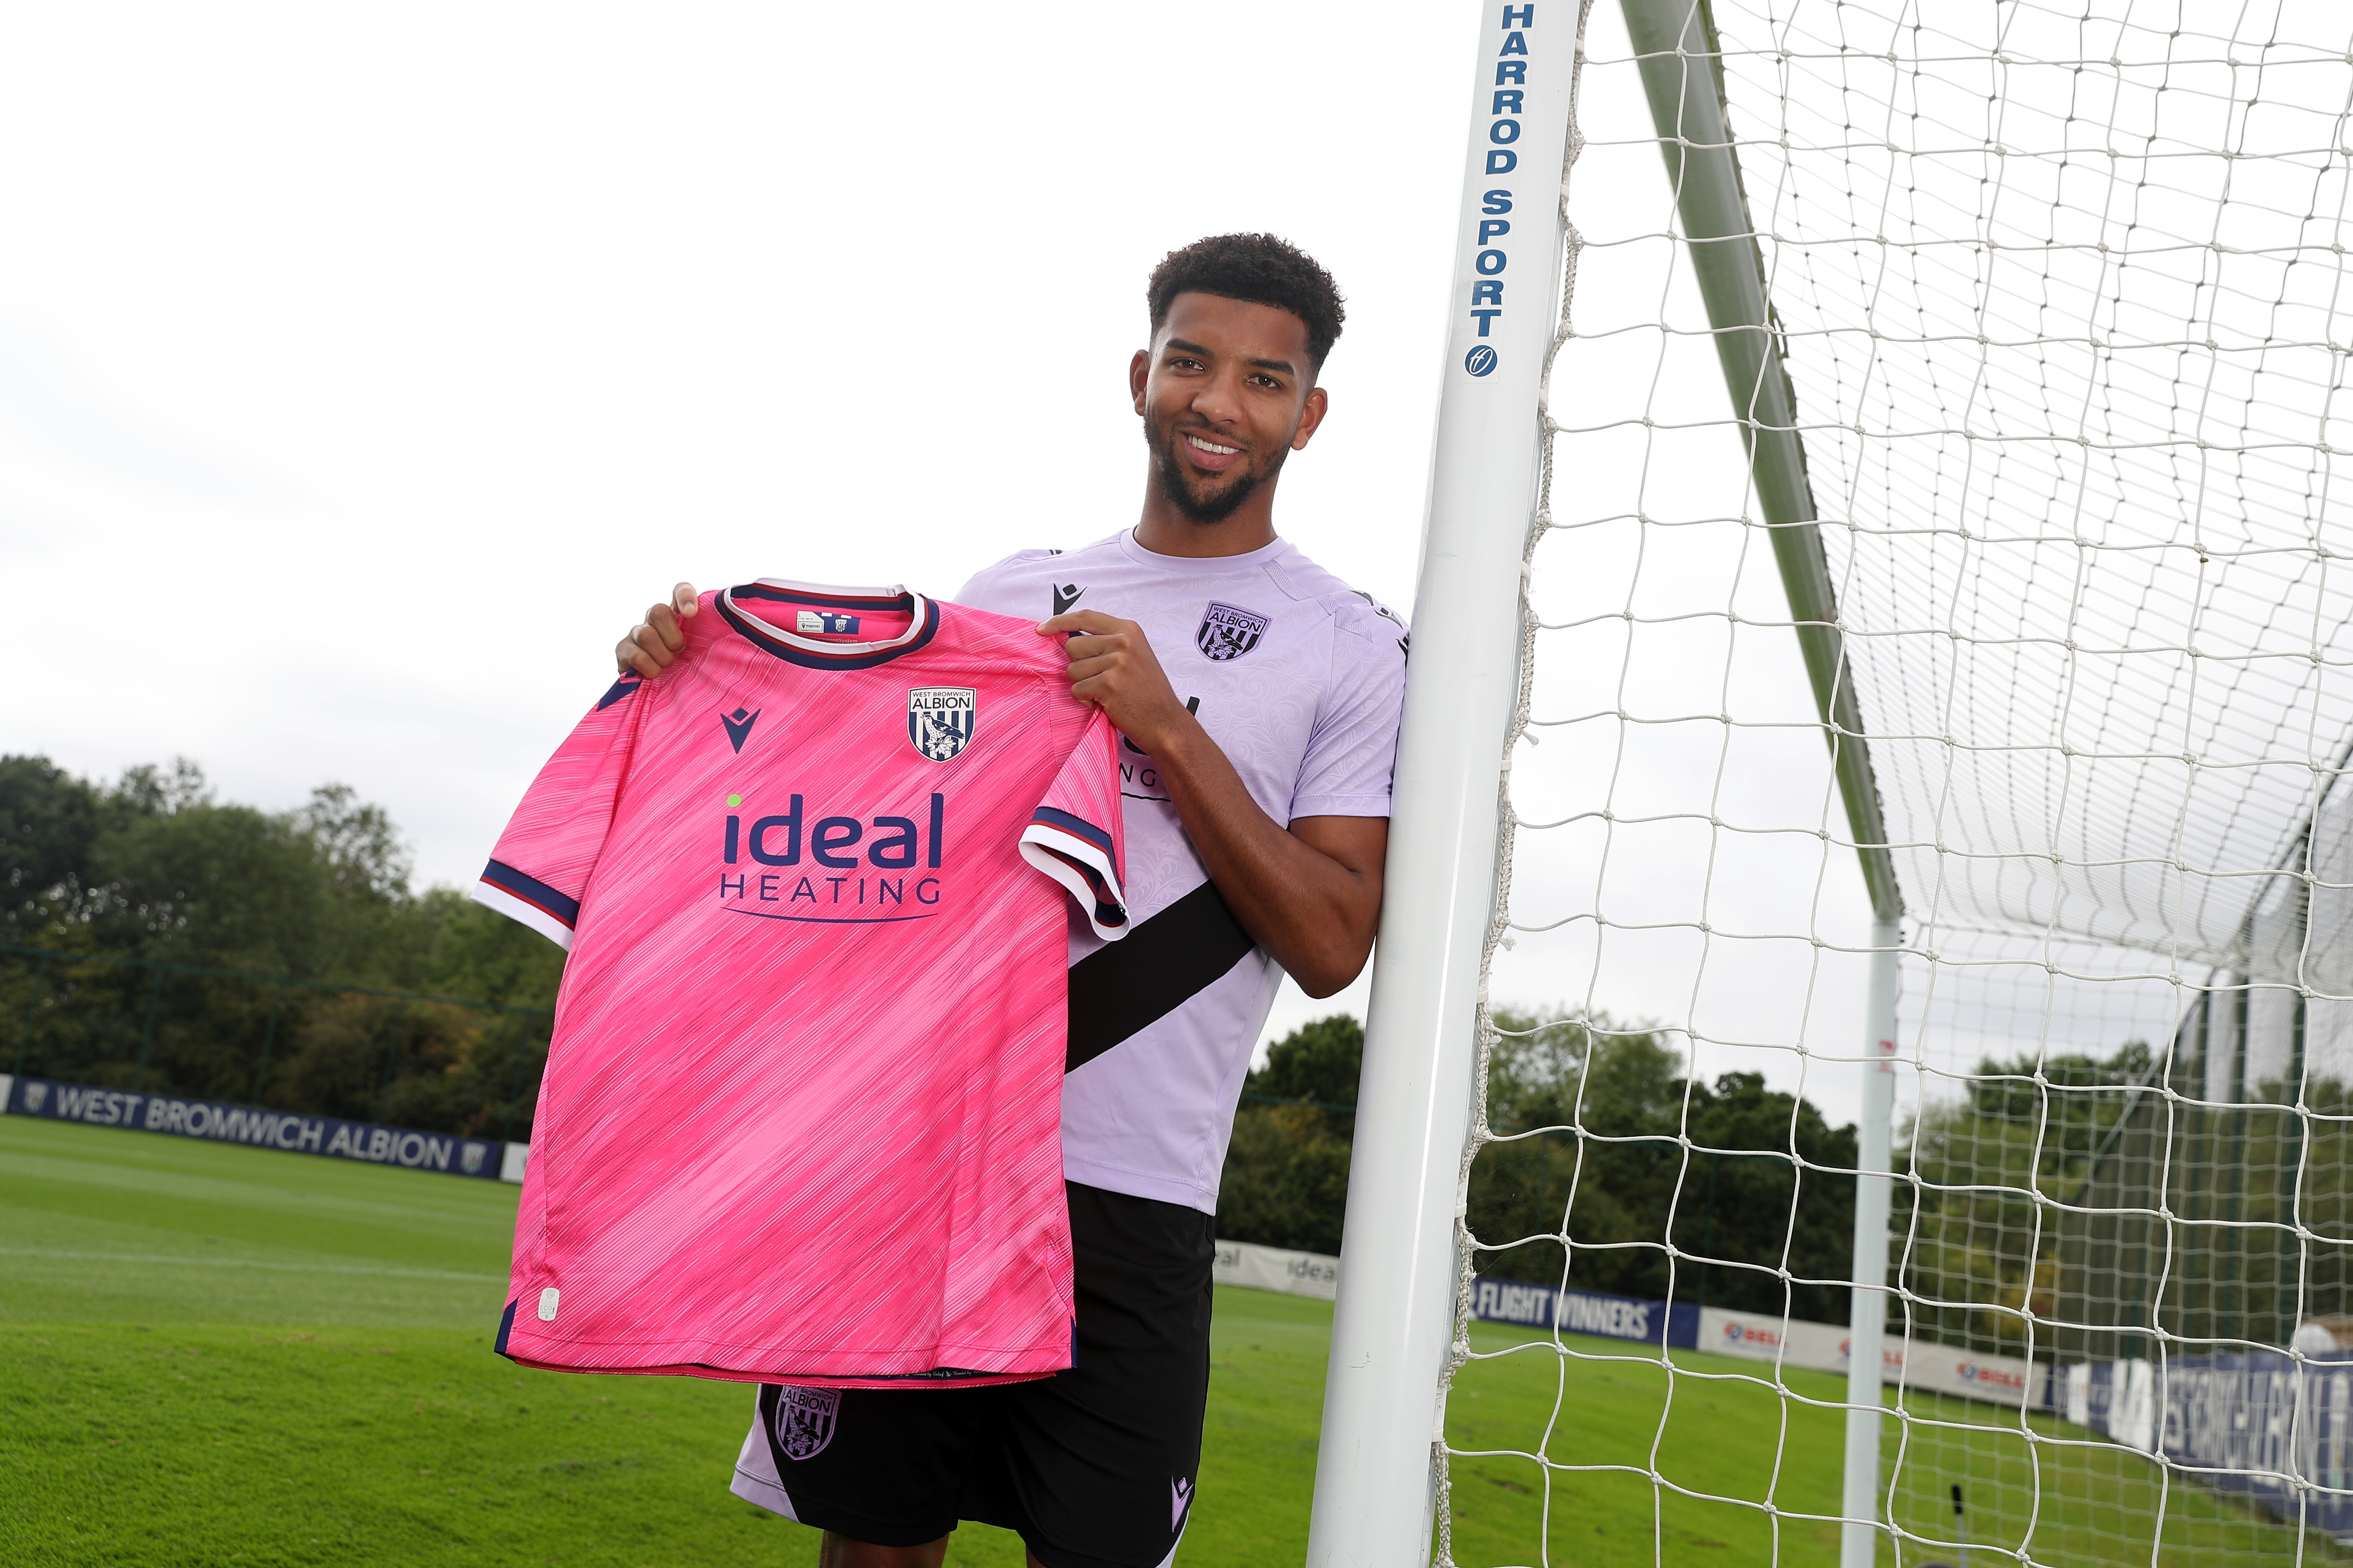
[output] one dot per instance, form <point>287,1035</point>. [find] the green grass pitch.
<point>216,1355</point>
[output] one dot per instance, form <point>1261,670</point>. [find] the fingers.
<point>630,655</point>
<point>653,643</point>
<point>1084,620</point>
<point>1100,646</point>
<point>647,650</point>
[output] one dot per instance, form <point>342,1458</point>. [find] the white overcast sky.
<point>364,372</point>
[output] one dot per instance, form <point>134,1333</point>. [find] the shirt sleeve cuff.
<point>541,916</point>
<point>1085,869</point>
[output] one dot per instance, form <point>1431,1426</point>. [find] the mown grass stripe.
<point>244,1263</point>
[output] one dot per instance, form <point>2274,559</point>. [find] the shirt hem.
<point>975,1365</point>
<point>732,1374</point>
<point>597,1366</point>
<point>1138,1183</point>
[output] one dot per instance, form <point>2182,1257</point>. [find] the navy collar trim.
<point>734,607</point>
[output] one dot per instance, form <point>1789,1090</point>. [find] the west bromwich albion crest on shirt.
<point>781,1136</point>
<point>1225,632</point>
<point>941,719</point>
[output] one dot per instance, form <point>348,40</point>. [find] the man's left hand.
<point>1113,665</point>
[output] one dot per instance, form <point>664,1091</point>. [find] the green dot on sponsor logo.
<point>734,800</point>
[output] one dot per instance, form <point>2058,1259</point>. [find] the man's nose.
<point>1218,400</point>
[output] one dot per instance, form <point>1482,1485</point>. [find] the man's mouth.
<point>1213,455</point>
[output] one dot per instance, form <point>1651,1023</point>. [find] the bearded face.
<point>1208,497</point>
<point>1225,393</point>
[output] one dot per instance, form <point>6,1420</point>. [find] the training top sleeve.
<point>1075,834</point>
<point>1352,751</point>
<point>541,866</point>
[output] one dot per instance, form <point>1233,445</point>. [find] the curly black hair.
<point>1259,270</point>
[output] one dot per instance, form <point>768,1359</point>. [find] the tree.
<point>1286,1174</point>
<point>49,820</point>
<point>1606,1151</point>
<point>2070,1204</point>
<point>1603,1149</point>
<point>155,869</point>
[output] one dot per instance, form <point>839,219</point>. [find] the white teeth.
<point>1213,446</point>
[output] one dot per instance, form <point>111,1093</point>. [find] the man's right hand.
<point>653,643</point>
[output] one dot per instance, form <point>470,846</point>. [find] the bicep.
<point>1358,843</point>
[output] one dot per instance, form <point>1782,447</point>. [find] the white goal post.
<point>1376,1461</point>
<point>1400,1264</point>
<point>2027,372</point>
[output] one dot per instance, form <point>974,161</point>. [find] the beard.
<point>1217,505</point>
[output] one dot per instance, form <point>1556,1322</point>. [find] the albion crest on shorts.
<point>805,1418</point>
<point>940,720</point>
<point>1227,633</point>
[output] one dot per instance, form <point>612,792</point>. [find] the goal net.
<point>2025,498</point>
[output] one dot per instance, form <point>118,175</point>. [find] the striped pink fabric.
<point>801,1118</point>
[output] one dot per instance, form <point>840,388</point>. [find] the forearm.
<point>1314,915</point>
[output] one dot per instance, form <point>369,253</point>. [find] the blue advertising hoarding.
<point>330,1136</point>
<point>2260,1424</point>
<point>1585,1312</point>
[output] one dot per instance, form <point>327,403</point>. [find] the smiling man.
<point>1256,697</point>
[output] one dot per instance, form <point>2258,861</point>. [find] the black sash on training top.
<point>1124,986</point>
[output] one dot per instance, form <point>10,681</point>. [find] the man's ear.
<point>1139,371</point>
<point>1310,417</point>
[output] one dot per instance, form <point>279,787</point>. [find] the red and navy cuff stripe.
<point>1109,912</point>
<point>533,891</point>
<point>1078,828</point>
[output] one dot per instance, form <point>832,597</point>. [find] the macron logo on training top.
<point>1065,595</point>
<point>739,726</point>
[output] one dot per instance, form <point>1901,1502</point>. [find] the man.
<point>1257,697</point>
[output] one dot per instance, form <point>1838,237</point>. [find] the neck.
<point>1165,531</point>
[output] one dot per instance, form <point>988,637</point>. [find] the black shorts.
<point>1094,1467</point>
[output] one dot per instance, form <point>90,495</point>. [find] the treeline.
<point>2069,1206</point>
<point>153,868</point>
<point>2090,1205</point>
<point>1605,1149</point>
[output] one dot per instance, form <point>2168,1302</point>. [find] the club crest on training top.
<point>940,720</point>
<point>805,1418</point>
<point>1228,633</point>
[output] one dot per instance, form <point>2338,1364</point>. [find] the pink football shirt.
<point>800,1120</point>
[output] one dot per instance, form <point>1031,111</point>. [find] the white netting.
<point>2062,298</point>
